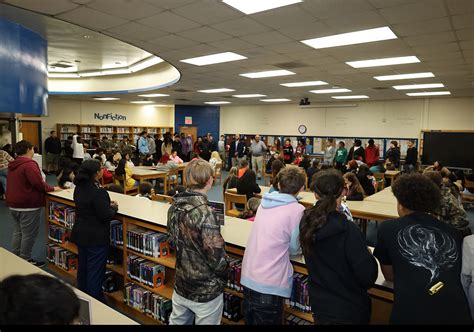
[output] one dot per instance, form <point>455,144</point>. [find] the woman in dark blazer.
<point>91,231</point>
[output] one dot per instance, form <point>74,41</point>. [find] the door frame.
<point>40,133</point>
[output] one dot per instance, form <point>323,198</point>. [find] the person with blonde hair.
<point>215,159</point>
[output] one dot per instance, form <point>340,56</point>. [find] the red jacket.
<point>372,154</point>
<point>26,188</point>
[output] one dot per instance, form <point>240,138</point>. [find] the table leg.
<point>165,184</point>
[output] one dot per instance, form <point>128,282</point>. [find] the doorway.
<point>31,132</point>
<point>189,131</point>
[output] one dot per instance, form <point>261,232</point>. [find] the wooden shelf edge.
<point>166,291</point>
<point>234,292</point>
<point>52,266</point>
<point>117,298</point>
<point>167,262</point>
<point>226,321</point>
<point>304,315</point>
<point>116,268</point>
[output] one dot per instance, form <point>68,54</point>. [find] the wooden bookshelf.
<point>52,221</point>
<point>168,261</point>
<point>298,313</point>
<point>226,321</point>
<point>115,268</point>
<point>234,292</point>
<point>61,271</point>
<point>118,302</point>
<point>165,291</point>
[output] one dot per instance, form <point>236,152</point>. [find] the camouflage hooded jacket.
<point>201,264</point>
<point>450,211</point>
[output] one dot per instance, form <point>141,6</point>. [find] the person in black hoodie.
<point>357,152</point>
<point>411,158</point>
<point>247,183</point>
<point>91,231</point>
<point>364,175</point>
<point>340,267</point>
<point>393,154</point>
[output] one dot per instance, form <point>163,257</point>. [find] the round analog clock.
<point>302,129</point>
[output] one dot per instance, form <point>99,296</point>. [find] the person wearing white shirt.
<point>329,153</point>
<point>78,149</point>
<point>221,149</point>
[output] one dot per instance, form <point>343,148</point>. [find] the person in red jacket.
<point>372,153</point>
<point>25,197</point>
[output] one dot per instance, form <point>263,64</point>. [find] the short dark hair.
<point>145,188</point>
<point>412,141</point>
<point>114,136</point>
<point>394,143</point>
<point>357,142</point>
<point>343,144</point>
<point>371,141</point>
<point>291,179</point>
<point>417,192</point>
<point>116,188</point>
<point>52,131</point>
<point>244,163</point>
<point>87,171</point>
<point>22,147</point>
<point>37,299</point>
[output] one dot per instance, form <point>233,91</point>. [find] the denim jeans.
<point>186,311</point>
<point>262,309</point>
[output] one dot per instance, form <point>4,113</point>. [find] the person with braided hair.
<point>340,267</point>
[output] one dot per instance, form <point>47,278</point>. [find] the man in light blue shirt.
<point>143,145</point>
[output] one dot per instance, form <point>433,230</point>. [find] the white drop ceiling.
<point>439,32</point>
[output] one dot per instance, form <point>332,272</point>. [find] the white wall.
<point>398,118</point>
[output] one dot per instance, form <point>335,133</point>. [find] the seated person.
<point>469,177</point>
<point>37,299</point>
<point>437,166</point>
<point>165,165</point>
<point>273,157</point>
<point>305,163</point>
<point>449,209</point>
<point>125,171</point>
<point>230,181</point>
<point>378,167</point>
<point>247,183</point>
<point>353,190</point>
<point>107,176</point>
<point>115,188</point>
<point>128,160</point>
<point>422,257</point>
<point>277,166</point>
<point>298,159</point>
<point>389,166</point>
<point>148,160</point>
<point>87,155</point>
<point>145,190</point>
<point>366,180</point>
<point>250,209</point>
<point>174,157</point>
<point>352,166</point>
<point>110,163</point>
<point>215,159</point>
<point>99,152</point>
<point>313,169</point>
<point>67,174</point>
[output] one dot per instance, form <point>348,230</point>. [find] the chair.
<point>266,176</point>
<point>380,178</point>
<point>162,198</point>
<point>229,200</point>
<point>170,180</point>
<point>218,173</point>
<point>121,180</point>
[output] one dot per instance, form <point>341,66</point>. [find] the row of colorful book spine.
<point>158,307</point>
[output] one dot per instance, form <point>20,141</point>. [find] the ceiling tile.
<point>172,42</point>
<point>460,6</point>
<point>128,9</point>
<point>463,21</point>
<point>422,27</point>
<point>290,47</point>
<point>208,12</point>
<point>440,37</point>
<point>49,7</point>
<point>135,30</point>
<point>420,10</point>
<point>467,45</point>
<point>465,34</point>
<point>266,38</point>
<point>167,21</point>
<point>204,35</point>
<point>357,21</point>
<point>323,9</point>
<point>169,4</point>
<point>92,19</point>
<point>241,27</point>
<point>440,48</point>
<point>390,3</point>
<point>233,44</point>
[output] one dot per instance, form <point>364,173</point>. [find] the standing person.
<point>258,149</point>
<point>357,151</point>
<point>53,148</point>
<point>177,146</point>
<point>185,147</point>
<point>267,273</point>
<point>25,196</point>
<point>158,144</point>
<point>125,147</point>
<point>189,140</point>
<point>422,256</point>
<point>151,145</point>
<point>94,142</point>
<point>393,154</point>
<point>204,151</point>
<point>68,150</point>
<point>91,231</point>
<point>309,147</point>
<point>337,286</point>
<point>78,149</point>
<point>195,232</point>
<point>233,148</point>
<point>105,144</point>
<point>341,157</point>
<point>276,147</point>
<point>221,150</point>
<point>197,146</point>
<point>167,145</point>
<point>372,153</point>
<point>212,143</point>
<point>287,152</point>
<point>411,159</point>
<point>329,152</point>
<point>5,158</point>
<point>241,151</point>
<point>301,148</point>
<point>143,148</point>
<point>114,145</point>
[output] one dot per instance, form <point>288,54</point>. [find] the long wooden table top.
<point>11,264</point>
<point>235,231</point>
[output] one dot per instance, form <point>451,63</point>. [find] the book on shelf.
<point>147,302</point>
<point>62,214</point>
<point>116,233</point>
<point>233,274</point>
<point>294,320</point>
<point>58,234</point>
<point>145,272</point>
<point>61,257</point>
<point>147,242</point>
<point>115,256</point>
<point>299,298</point>
<point>232,307</point>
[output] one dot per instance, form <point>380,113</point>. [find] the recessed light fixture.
<point>216,90</point>
<point>383,62</point>
<point>217,102</point>
<point>106,98</point>
<point>331,91</point>
<point>307,83</point>
<point>87,36</point>
<point>419,86</point>
<point>154,95</point>
<point>255,95</point>
<point>351,38</point>
<point>148,62</point>
<point>255,6</point>
<point>63,75</point>
<point>269,73</point>
<point>141,102</point>
<point>433,93</point>
<point>275,100</point>
<point>351,97</point>
<point>214,58</point>
<point>404,76</point>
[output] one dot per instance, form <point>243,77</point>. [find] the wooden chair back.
<point>380,178</point>
<point>162,198</point>
<point>121,180</point>
<point>229,200</point>
<point>218,173</point>
<point>170,179</point>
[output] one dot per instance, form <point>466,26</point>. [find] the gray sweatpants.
<point>25,230</point>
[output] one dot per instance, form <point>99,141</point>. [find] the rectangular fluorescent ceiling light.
<point>403,76</point>
<point>145,64</point>
<point>331,91</point>
<point>216,90</point>
<point>141,102</point>
<point>214,58</point>
<point>153,95</point>
<point>350,38</point>
<point>106,98</point>
<point>383,62</point>
<point>434,93</point>
<point>307,83</point>
<point>275,100</point>
<point>418,86</point>
<point>270,73</point>
<point>217,102</point>
<point>255,95</point>
<point>255,6</point>
<point>351,97</point>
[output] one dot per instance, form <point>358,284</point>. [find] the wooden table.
<point>181,168</point>
<point>392,175</point>
<point>143,173</point>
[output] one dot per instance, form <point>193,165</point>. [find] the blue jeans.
<point>262,309</point>
<point>186,311</point>
<point>91,270</point>
<point>3,179</point>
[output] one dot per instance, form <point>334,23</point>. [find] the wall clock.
<point>302,129</point>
